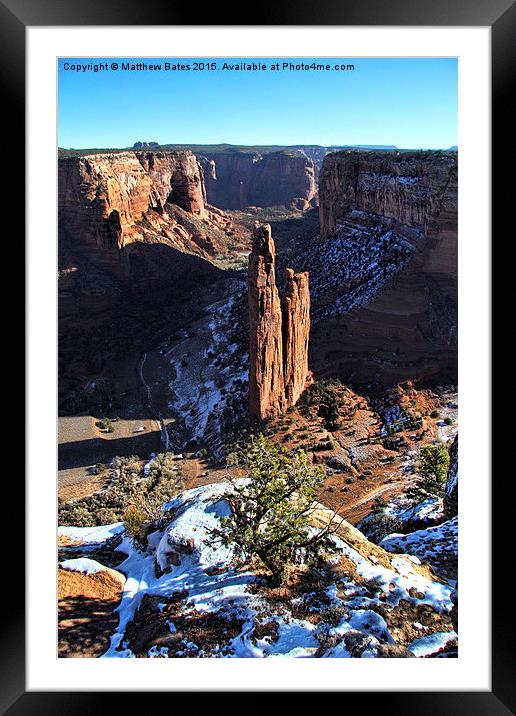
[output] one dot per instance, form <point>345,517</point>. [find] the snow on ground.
<point>426,645</point>
<point>352,266</point>
<point>85,565</point>
<point>210,367</point>
<point>91,535</point>
<point>185,560</point>
<point>436,545</point>
<point>449,410</point>
<point>429,511</point>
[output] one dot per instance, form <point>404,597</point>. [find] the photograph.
<point>258,402</point>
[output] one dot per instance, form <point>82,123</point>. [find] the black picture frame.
<point>500,16</point>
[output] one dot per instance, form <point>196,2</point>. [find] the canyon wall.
<point>278,339</point>
<point>408,328</point>
<point>135,235</point>
<point>418,189</point>
<point>135,225</point>
<point>236,179</point>
<point>102,197</point>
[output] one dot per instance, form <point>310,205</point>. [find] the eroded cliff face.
<point>389,226</point>
<point>278,339</point>
<point>238,179</point>
<point>104,197</point>
<point>412,188</point>
<point>135,233</point>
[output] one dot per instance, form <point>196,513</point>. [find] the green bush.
<point>434,461</point>
<point>270,510</point>
<point>134,523</point>
<point>434,414</point>
<point>105,424</point>
<point>323,399</point>
<point>128,485</point>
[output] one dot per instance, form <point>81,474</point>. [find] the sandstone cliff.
<point>387,265</point>
<point>135,234</point>
<point>236,179</point>
<point>278,340</point>
<point>137,213</point>
<point>103,197</point>
<point>418,189</point>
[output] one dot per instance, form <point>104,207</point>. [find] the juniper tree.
<point>434,461</point>
<point>271,507</point>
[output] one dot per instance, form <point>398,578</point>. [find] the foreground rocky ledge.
<point>190,597</point>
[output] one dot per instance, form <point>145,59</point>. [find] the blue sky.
<point>411,103</point>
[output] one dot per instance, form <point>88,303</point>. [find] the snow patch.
<point>83,565</point>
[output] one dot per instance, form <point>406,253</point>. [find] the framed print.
<point>271,314</point>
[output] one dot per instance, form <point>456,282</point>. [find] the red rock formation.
<point>266,386</point>
<point>296,334</point>
<point>236,179</point>
<point>177,179</point>
<point>416,189</point>
<point>278,344</point>
<point>102,197</point>
<point>113,206</point>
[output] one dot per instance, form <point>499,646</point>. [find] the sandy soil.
<point>86,618</point>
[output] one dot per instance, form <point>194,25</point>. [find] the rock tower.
<point>278,337</point>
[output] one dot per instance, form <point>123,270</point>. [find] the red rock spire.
<point>296,334</point>
<point>278,341</point>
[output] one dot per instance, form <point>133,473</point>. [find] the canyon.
<point>187,325</point>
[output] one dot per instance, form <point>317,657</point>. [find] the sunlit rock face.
<point>296,334</point>
<point>103,196</point>
<point>278,338</point>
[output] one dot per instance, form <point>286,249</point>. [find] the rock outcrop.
<point>393,316</point>
<point>266,385</point>
<point>139,215</point>
<point>236,179</point>
<point>145,145</point>
<point>278,340</point>
<point>384,605</point>
<point>102,197</point>
<point>296,334</point>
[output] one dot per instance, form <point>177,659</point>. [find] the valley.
<point>182,334</point>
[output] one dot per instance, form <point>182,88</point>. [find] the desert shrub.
<point>434,414</point>
<point>104,424</point>
<point>134,523</point>
<point>270,509</point>
<point>323,399</point>
<point>432,468</point>
<point>129,485</point>
<point>448,421</point>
